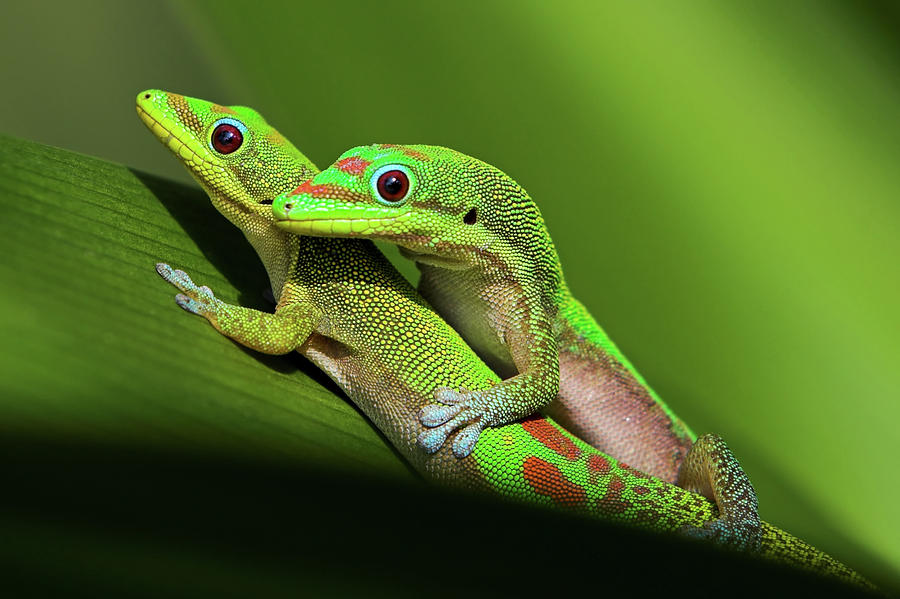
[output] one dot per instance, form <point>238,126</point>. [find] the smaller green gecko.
<point>343,306</point>
<point>490,269</point>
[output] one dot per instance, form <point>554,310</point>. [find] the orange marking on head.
<point>221,109</point>
<point>329,190</point>
<point>407,152</point>
<point>417,155</point>
<point>551,437</point>
<point>353,165</point>
<point>547,480</point>
<point>305,187</point>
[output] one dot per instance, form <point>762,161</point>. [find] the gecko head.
<point>239,159</point>
<point>435,203</point>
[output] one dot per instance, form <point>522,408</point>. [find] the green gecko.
<point>491,271</point>
<point>344,307</point>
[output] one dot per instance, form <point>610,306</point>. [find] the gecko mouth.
<point>342,227</point>
<point>176,140</point>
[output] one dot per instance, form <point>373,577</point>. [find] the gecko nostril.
<point>146,96</point>
<point>288,206</point>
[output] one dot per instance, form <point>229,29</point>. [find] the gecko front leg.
<point>534,352</point>
<point>265,332</point>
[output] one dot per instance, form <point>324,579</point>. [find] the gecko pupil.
<point>393,185</point>
<point>227,138</point>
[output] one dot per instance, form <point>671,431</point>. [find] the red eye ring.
<point>393,186</point>
<point>226,138</point>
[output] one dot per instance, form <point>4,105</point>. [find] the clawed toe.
<point>449,397</point>
<point>432,416</point>
<point>432,440</point>
<point>465,440</point>
<point>164,270</point>
<point>178,278</point>
<point>187,303</point>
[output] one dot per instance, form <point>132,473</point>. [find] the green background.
<point>720,180</point>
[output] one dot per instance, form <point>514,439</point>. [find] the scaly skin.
<point>490,269</point>
<point>378,339</point>
<point>480,236</point>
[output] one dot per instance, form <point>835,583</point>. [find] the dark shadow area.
<point>881,18</point>
<point>133,522</point>
<point>221,242</point>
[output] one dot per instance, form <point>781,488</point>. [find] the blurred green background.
<point>720,179</point>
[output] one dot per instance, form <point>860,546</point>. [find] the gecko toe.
<point>164,270</point>
<point>448,396</point>
<point>188,304</point>
<point>465,441</point>
<point>178,278</point>
<point>432,416</point>
<point>432,440</point>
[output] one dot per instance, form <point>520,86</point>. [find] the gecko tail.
<point>786,548</point>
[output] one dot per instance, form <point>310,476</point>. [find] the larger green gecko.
<point>342,305</point>
<point>490,269</point>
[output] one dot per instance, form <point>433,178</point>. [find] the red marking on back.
<point>633,471</point>
<point>598,463</point>
<point>612,500</point>
<point>547,480</point>
<point>551,436</point>
<point>354,165</point>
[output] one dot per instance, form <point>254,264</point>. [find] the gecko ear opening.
<point>471,217</point>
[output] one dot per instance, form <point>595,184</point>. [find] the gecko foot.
<point>178,278</point>
<point>460,411</point>
<point>194,299</point>
<point>437,415</point>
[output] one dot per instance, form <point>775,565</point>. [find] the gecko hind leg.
<point>711,470</point>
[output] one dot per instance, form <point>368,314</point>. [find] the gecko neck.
<point>276,248</point>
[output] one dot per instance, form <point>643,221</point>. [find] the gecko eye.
<point>227,138</point>
<point>392,183</point>
<point>393,186</point>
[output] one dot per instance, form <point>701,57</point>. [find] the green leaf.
<point>147,455</point>
<point>94,345</point>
